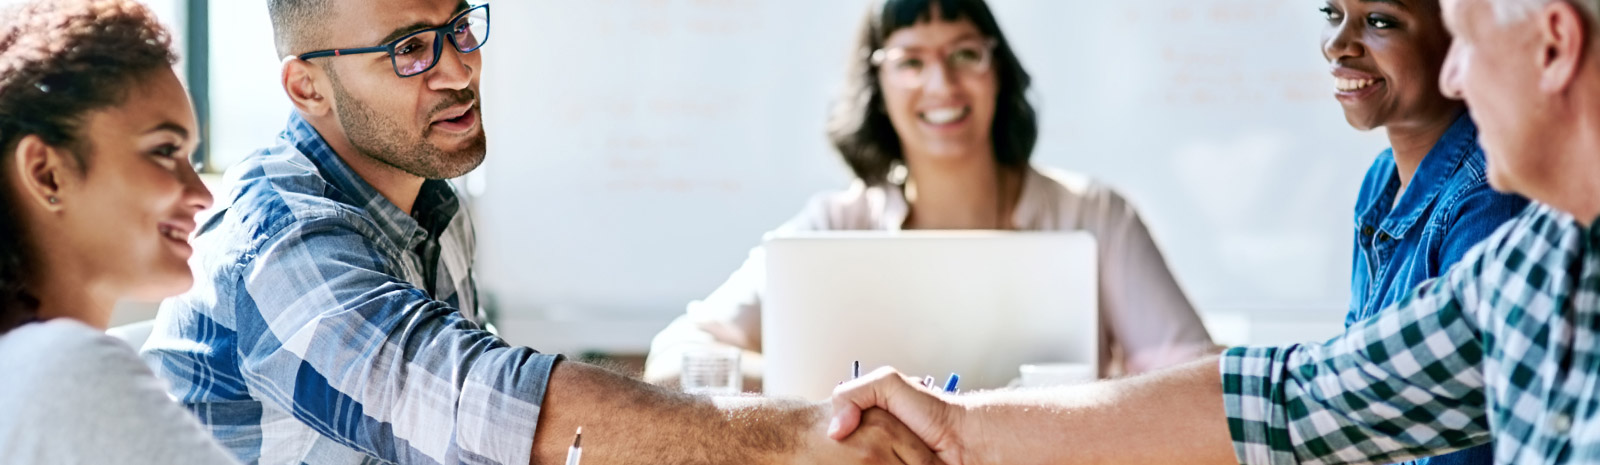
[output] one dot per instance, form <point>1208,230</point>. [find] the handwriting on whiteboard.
<point>1205,62</point>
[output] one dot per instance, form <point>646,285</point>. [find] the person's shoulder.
<point>279,188</point>
<point>1537,228</point>
<point>857,193</point>
<point>63,351</point>
<point>1472,173</point>
<point>1469,189</point>
<point>56,337</point>
<point>853,207</point>
<point>1067,188</point>
<point>1532,252</point>
<point>57,373</point>
<point>62,375</point>
<point>1068,182</point>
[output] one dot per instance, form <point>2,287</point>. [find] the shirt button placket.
<point>1559,423</point>
<point>1383,249</point>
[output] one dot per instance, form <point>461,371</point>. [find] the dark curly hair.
<point>859,126</point>
<point>61,59</point>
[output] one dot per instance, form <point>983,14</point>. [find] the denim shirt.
<point>1447,209</point>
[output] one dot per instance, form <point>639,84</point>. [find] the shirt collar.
<point>436,203</point>
<point>1433,176</point>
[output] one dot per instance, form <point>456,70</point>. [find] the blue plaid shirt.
<point>1507,341</point>
<point>328,326</point>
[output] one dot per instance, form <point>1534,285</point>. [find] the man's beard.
<point>389,142</point>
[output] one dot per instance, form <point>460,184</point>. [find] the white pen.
<point>575,453</point>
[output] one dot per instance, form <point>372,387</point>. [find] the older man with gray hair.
<point>1505,347</point>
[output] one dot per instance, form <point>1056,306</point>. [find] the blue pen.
<point>950,385</point>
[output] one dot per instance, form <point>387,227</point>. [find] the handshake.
<point>896,419</point>
<point>1172,417</point>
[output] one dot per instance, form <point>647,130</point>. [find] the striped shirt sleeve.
<point>372,362</point>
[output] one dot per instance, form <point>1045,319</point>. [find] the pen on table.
<point>575,453</point>
<point>950,385</point>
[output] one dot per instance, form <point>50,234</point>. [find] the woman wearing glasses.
<point>937,128</point>
<point>97,199</point>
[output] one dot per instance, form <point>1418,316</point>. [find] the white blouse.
<point>1146,321</point>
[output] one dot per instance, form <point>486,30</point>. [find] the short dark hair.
<point>295,23</point>
<point>859,126</point>
<point>60,59</point>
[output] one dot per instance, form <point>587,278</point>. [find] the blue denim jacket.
<point>1447,209</point>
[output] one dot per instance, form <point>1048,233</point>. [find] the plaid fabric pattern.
<point>1505,342</point>
<point>328,326</point>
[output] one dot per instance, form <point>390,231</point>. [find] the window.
<point>247,106</point>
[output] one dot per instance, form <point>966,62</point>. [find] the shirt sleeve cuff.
<point>499,409</point>
<point>1253,396</point>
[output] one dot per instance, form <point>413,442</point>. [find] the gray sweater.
<point>70,394</point>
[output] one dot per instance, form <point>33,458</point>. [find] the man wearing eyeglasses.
<point>335,319</point>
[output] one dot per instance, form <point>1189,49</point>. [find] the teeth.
<point>944,115</point>
<point>171,233</point>
<point>1346,85</point>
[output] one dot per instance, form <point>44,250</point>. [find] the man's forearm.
<point>1172,416</point>
<point>626,421</point>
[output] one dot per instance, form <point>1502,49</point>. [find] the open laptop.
<point>976,303</point>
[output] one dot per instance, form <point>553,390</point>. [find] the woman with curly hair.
<point>97,198</point>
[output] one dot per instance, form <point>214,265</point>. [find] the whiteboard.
<point>639,148</point>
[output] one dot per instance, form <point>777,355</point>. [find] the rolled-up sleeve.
<point>1405,384</point>
<point>364,358</point>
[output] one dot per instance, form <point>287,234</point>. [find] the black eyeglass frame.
<point>447,30</point>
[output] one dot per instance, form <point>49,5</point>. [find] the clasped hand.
<point>885,408</point>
